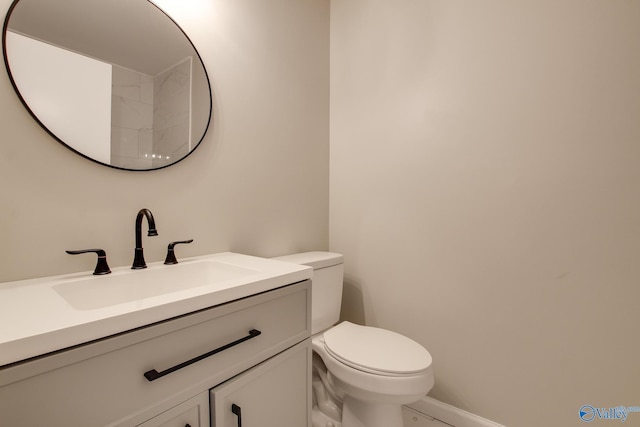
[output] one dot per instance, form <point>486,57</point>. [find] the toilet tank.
<point>326,288</point>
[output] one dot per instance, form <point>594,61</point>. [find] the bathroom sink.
<point>134,285</point>
<point>47,314</point>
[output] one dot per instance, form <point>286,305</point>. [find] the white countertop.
<point>36,319</point>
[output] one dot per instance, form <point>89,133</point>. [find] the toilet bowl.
<point>374,371</point>
<point>371,372</point>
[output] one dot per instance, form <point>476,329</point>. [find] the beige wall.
<point>258,184</point>
<point>485,191</point>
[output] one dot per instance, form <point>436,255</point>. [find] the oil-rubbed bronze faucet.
<point>171,253</point>
<point>101,266</point>
<point>138,260</point>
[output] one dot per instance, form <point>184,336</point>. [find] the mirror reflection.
<point>116,81</point>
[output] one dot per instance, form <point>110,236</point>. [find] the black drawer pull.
<point>238,411</point>
<point>153,375</point>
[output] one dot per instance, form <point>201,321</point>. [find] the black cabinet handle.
<point>238,411</point>
<point>153,375</point>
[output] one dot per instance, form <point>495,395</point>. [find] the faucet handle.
<point>101,267</point>
<point>171,256</point>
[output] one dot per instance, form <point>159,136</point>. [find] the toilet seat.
<point>376,351</point>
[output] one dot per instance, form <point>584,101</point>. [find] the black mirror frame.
<point>5,26</point>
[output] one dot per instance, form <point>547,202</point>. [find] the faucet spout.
<point>138,260</point>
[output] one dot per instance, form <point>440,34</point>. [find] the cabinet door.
<point>192,413</point>
<point>275,393</point>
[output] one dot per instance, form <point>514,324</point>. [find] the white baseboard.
<point>450,414</point>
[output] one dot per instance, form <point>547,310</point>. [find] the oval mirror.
<point>116,81</point>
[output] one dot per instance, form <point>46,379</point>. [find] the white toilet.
<point>365,374</point>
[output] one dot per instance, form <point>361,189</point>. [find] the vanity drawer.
<point>110,386</point>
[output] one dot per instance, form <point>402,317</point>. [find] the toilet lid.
<point>376,350</point>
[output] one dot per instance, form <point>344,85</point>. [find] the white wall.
<point>80,85</point>
<point>485,191</point>
<point>258,184</point>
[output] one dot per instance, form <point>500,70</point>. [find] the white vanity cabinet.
<point>253,350</point>
<point>274,393</point>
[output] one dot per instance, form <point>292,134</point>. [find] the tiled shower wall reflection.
<point>131,118</point>
<point>171,118</point>
<point>150,120</point>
